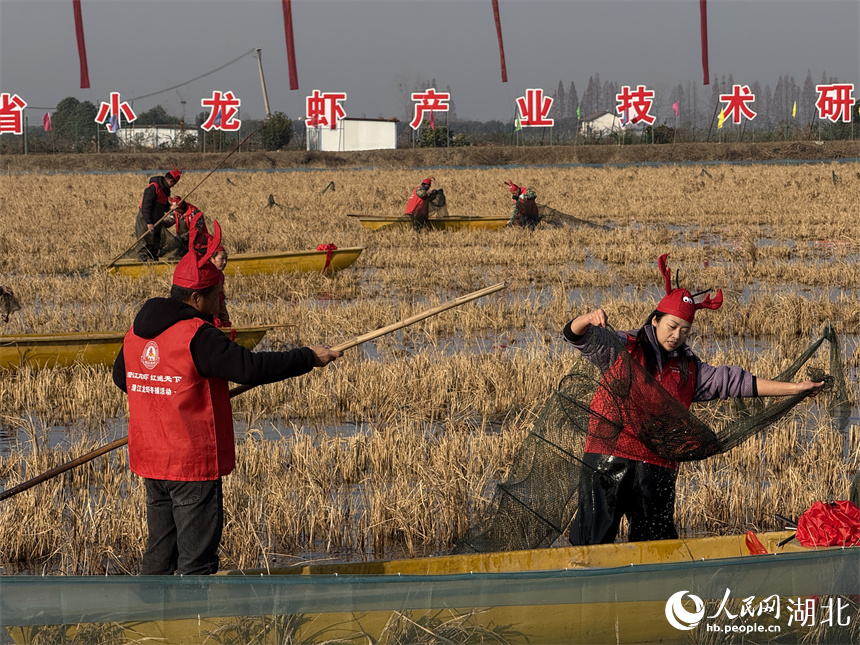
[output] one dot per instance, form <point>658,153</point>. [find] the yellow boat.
<point>374,222</point>
<point>96,348</point>
<point>650,592</point>
<point>250,263</point>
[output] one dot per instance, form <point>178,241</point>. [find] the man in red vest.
<point>175,366</point>
<point>153,206</point>
<point>418,206</point>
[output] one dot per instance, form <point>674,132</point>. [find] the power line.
<point>196,78</point>
<point>137,98</point>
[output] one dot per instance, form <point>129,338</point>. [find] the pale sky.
<point>370,49</point>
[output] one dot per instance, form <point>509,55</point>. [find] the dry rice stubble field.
<point>395,448</point>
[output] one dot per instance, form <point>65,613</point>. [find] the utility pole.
<point>263,81</point>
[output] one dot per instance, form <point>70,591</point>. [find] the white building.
<point>354,134</point>
<point>600,124</point>
<point>157,136</point>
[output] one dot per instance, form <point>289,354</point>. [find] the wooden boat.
<point>615,593</point>
<point>249,263</point>
<point>374,222</point>
<point>97,348</point>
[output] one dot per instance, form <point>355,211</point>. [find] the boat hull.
<point>619,603</point>
<point>442,223</point>
<point>38,350</point>
<point>252,263</point>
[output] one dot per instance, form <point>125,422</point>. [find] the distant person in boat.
<point>620,475</point>
<point>418,206</point>
<point>219,259</point>
<point>153,206</point>
<point>525,211</point>
<point>183,214</point>
<point>175,366</point>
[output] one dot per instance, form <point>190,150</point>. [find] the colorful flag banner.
<point>794,110</point>
<point>675,107</point>
<point>217,120</point>
<point>624,118</point>
<point>722,119</point>
<point>46,122</point>
<point>113,124</point>
<point>432,122</point>
<point>578,114</point>
<point>517,123</point>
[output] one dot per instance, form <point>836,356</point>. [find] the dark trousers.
<point>149,248</point>
<point>185,521</point>
<point>612,487</point>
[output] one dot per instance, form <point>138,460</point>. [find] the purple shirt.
<point>726,381</point>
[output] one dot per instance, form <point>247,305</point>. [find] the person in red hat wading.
<point>622,477</point>
<point>185,215</point>
<point>154,204</point>
<point>418,206</point>
<point>525,212</point>
<point>175,366</point>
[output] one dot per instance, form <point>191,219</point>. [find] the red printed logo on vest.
<point>150,356</point>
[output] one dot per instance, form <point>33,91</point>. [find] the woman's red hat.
<point>678,302</point>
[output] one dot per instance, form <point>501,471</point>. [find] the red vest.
<point>417,205</point>
<point>527,208</point>
<point>160,195</point>
<point>609,411</point>
<point>180,424</point>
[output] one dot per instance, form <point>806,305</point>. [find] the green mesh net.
<point>552,218</point>
<point>537,501</point>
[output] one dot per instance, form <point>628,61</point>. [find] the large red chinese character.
<point>224,110</point>
<point>834,100</point>
<point>639,100</point>
<point>428,101</point>
<point>11,109</point>
<point>107,112</point>
<point>736,103</point>
<point>324,109</point>
<point>534,107</point>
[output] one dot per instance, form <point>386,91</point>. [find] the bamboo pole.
<point>133,244</point>
<point>236,391</point>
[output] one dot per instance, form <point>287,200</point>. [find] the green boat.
<point>614,593</point>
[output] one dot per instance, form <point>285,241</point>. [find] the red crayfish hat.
<point>679,302</point>
<point>194,270</point>
<point>428,180</point>
<point>176,173</point>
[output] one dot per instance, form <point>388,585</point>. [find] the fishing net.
<point>538,500</point>
<point>8,303</point>
<point>552,218</point>
<point>438,206</point>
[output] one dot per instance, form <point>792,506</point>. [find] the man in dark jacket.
<point>154,204</point>
<point>175,367</point>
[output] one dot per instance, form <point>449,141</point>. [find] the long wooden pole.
<point>358,340</point>
<point>221,163</point>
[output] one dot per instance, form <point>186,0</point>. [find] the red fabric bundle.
<point>830,524</point>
